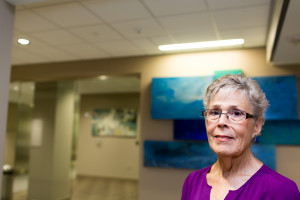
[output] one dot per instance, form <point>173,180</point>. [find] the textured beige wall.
<point>106,156</point>
<point>155,183</point>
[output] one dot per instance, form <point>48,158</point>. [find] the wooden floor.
<point>94,188</point>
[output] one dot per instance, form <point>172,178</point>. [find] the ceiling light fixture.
<point>200,45</point>
<point>23,41</point>
<point>102,77</point>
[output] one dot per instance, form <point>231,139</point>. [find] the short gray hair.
<point>248,87</point>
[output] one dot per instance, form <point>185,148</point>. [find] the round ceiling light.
<point>23,41</point>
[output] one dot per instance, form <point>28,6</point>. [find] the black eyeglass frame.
<point>248,115</point>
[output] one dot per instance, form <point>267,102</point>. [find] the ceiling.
<point>68,30</point>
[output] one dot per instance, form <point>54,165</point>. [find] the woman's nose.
<point>223,119</point>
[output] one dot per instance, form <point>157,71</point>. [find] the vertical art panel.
<point>178,98</point>
<point>280,132</point>
<point>194,155</point>
<point>190,129</point>
<point>281,91</point>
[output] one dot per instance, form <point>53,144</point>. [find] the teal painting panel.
<point>185,155</point>
<point>221,73</point>
<point>286,132</point>
<point>194,155</point>
<point>266,153</point>
<point>178,98</point>
<point>281,91</point>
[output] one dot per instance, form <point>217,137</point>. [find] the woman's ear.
<point>258,126</point>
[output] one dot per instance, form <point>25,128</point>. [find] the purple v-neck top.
<point>265,184</point>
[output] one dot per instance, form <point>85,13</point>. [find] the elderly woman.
<point>234,115</point>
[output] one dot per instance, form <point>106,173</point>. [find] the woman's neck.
<point>234,165</point>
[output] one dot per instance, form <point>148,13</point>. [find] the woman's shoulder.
<point>277,184</point>
<point>274,177</point>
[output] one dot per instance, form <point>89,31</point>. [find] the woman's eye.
<point>214,112</point>
<point>236,113</point>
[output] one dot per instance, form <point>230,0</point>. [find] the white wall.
<point>106,156</point>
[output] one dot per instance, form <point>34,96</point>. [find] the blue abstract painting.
<point>281,91</point>
<point>178,98</point>
<point>285,132</point>
<point>266,153</point>
<point>190,129</point>
<point>280,132</point>
<point>194,155</point>
<point>185,155</point>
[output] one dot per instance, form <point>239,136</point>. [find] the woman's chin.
<point>224,151</point>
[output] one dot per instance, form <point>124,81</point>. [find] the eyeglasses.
<point>233,115</point>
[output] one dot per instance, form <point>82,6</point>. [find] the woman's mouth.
<point>223,138</point>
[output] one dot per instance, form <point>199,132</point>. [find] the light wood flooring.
<point>94,188</point>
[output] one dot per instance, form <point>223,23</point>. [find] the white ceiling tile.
<point>27,57</point>
<point>242,18</point>
<point>120,47</point>
<point>129,53</point>
<point>147,46</point>
<point>198,22</point>
<point>85,51</point>
<point>57,37</point>
<point>117,10</point>
<point>96,33</point>
<point>171,7</point>
<point>217,4</point>
<point>139,28</point>
<point>34,43</point>
<point>254,36</point>
<point>195,37</point>
<point>27,21</point>
<point>160,40</point>
<point>68,15</point>
<point>231,34</point>
<point>47,3</point>
<point>56,54</point>
<point>47,52</point>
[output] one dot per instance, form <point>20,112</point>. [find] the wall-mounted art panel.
<point>281,91</point>
<point>185,155</point>
<point>219,73</point>
<point>178,98</point>
<point>190,129</point>
<point>280,132</point>
<point>266,153</point>
<point>286,132</point>
<point>114,122</point>
<point>194,155</point>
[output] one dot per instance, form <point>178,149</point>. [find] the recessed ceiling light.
<point>16,88</point>
<point>23,41</point>
<point>103,77</point>
<point>200,45</point>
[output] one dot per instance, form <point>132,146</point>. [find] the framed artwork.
<point>195,155</point>
<point>178,98</point>
<point>114,122</point>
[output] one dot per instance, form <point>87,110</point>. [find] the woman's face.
<point>227,138</point>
